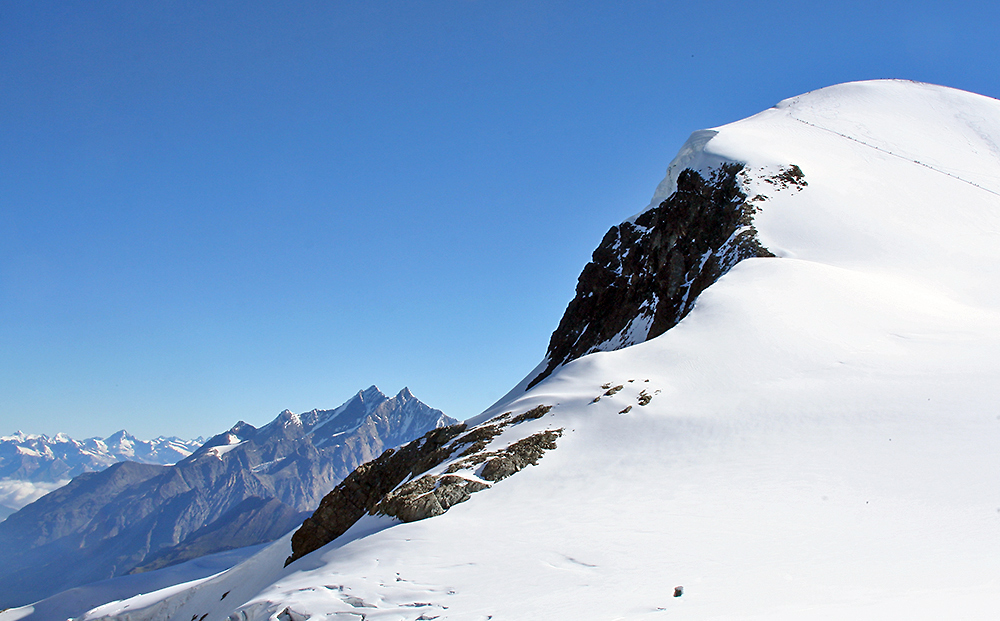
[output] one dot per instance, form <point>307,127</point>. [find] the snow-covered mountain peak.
<point>79,454</point>
<point>32,465</point>
<point>121,442</point>
<point>947,130</point>
<point>892,115</point>
<point>686,158</point>
<point>243,429</point>
<point>784,403</point>
<point>883,177</point>
<point>288,417</point>
<point>372,395</point>
<point>903,179</point>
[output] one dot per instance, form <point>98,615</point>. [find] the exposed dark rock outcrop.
<point>367,485</point>
<point>432,494</point>
<point>428,496</point>
<point>645,275</point>
<point>397,483</point>
<point>524,452</point>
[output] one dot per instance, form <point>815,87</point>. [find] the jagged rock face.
<point>399,485</point>
<point>366,486</point>
<point>646,274</point>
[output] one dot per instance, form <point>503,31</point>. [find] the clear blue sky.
<point>212,211</point>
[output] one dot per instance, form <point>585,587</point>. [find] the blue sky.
<point>212,211</point>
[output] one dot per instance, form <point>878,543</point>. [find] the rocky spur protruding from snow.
<point>648,271</point>
<point>408,484</point>
<point>366,486</point>
<point>478,469</point>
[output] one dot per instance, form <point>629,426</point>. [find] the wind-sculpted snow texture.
<point>648,271</point>
<point>242,487</point>
<point>816,439</point>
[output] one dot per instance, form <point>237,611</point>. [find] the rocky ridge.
<point>644,278</point>
<point>648,271</point>
<point>418,481</point>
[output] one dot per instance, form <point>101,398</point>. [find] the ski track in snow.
<point>902,157</point>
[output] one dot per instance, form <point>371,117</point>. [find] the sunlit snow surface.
<point>72,602</point>
<point>824,436</point>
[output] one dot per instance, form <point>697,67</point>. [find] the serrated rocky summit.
<point>244,486</point>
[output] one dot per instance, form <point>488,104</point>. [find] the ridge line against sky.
<point>215,211</point>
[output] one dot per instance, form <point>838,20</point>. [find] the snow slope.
<point>823,438</point>
<point>71,602</point>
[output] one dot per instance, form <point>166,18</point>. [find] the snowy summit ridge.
<point>701,221</point>
<point>816,436</point>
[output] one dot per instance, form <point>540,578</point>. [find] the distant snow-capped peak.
<point>32,465</point>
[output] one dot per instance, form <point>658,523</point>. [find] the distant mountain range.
<point>34,465</point>
<point>241,487</point>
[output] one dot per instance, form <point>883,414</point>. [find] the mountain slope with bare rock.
<point>241,487</point>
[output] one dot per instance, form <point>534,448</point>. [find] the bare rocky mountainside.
<point>242,487</point>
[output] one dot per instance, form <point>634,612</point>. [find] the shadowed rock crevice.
<point>645,275</point>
